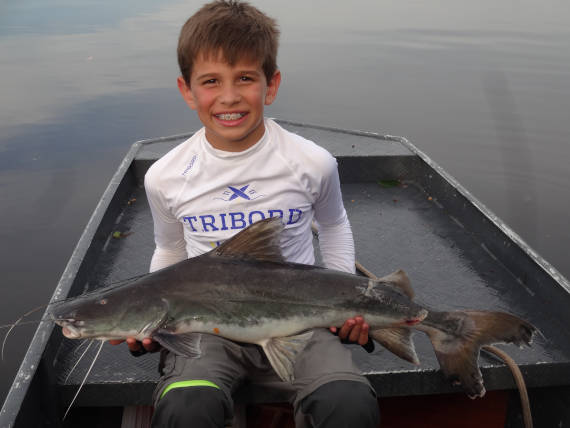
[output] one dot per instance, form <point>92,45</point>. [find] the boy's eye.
<point>210,81</point>
<point>245,78</point>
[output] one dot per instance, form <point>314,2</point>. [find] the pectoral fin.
<point>187,344</point>
<point>399,341</point>
<point>282,352</point>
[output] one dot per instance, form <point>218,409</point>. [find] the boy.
<point>238,169</point>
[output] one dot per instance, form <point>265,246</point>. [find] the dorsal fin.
<point>400,280</point>
<point>259,241</point>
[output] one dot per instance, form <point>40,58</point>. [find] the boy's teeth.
<point>230,116</point>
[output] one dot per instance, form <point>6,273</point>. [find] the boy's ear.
<point>272,88</point>
<point>186,92</point>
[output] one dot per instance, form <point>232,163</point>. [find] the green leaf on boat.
<point>389,183</point>
<point>118,234</point>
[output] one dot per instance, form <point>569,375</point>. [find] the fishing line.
<point>84,379</point>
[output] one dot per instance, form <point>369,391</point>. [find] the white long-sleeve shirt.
<point>200,196</point>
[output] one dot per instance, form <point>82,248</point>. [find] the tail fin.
<point>458,336</point>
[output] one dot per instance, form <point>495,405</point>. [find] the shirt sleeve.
<point>335,234</point>
<point>168,233</point>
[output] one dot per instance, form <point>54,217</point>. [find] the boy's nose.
<point>230,95</point>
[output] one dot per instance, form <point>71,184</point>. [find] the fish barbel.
<point>244,291</point>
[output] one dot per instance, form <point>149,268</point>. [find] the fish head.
<point>107,315</point>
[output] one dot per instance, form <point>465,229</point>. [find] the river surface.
<point>482,87</point>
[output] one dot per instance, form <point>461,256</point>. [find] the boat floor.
<point>395,227</point>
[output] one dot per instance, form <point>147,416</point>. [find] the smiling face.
<point>229,100</point>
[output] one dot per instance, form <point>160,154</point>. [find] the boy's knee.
<point>341,403</point>
<point>192,406</point>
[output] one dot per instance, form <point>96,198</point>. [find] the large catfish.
<point>244,291</point>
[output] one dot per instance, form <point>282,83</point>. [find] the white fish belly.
<point>266,328</point>
<point>255,333</point>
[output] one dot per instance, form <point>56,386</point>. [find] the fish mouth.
<point>69,330</point>
<point>70,333</point>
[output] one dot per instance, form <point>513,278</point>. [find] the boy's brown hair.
<point>232,28</point>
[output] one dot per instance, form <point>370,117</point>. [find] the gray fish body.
<point>243,300</point>
<point>251,301</point>
<point>245,291</point>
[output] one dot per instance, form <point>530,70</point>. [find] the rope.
<point>519,381</point>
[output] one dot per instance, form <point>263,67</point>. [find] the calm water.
<point>482,87</point>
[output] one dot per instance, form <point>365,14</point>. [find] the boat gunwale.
<point>31,362</point>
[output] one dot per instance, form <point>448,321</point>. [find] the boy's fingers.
<point>150,345</point>
<point>363,337</point>
<point>355,333</point>
<point>345,329</point>
<point>138,348</point>
<point>133,344</point>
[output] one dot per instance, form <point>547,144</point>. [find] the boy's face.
<point>229,100</point>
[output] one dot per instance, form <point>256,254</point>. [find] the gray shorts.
<point>228,364</point>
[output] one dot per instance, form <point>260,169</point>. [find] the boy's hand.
<point>138,348</point>
<point>355,330</point>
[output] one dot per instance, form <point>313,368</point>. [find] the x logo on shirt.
<point>239,193</point>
